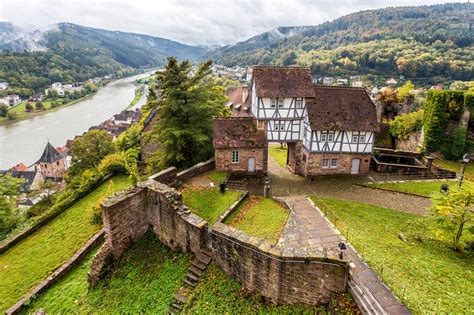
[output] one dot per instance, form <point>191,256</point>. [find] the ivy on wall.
<point>403,125</point>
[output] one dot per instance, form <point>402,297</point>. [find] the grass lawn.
<point>428,276</point>
<point>259,217</point>
<point>37,256</point>
<point>217,176</point>
<point>217,293</point>
<point>455,166</point>
<point>209,203</point>
<point>136,98</point>
<point>419,188</point>
<point>22,114</point>
<point>144,282</point>
<point>278,154</point>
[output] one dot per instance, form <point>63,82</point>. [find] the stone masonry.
<point>224,159</point>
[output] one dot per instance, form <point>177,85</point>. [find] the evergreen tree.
<point>187,106</point>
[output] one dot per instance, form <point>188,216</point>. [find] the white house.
<point>3,85</point>
<point>10,100</point>
<point>341,81</point>
<point>328,129</point>
<point>328,81</point>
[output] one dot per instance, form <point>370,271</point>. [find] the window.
<point>280,102</point>
<point>305,132</point>
<point>235,156</point>
<point>324,137</point>
<point>273,102</point>
<point>260,124</point>
<point>355,139</point>
<point>361,139</point>
<point>299,103</point>
<point>330,137</point>
<point>279,125</point>
<point>333,163</point>
<point>325,163</point>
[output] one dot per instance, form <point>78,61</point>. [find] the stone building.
<point>51,163</point>
<point>239,145</point>
<point>328,129</point>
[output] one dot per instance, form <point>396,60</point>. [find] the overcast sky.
<point>189,21</point>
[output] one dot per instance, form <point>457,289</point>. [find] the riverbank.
<point>48,105</point>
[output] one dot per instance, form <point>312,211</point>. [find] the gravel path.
<point>285,183</point>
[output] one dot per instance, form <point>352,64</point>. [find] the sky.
<point>210,22</point>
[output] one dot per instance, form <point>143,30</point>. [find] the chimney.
<point>245,93</point>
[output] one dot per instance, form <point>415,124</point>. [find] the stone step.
<point>206,252</point>
<point>195,270</point>
<point>180,298</point>
<point>190,283</point>
<point>199,265</point>
<point>192,276</point>
<point>205,259</point>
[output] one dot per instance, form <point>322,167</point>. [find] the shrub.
<point>455,146</point>
<point>3,110</point>
<point>95,213</point>
<point>9,219</point>
<point>28,107</point>
<point>113,164</point>
<point>402,126</point>
<point>39,106</point>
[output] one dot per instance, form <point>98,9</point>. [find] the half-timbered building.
<point>328,129</point>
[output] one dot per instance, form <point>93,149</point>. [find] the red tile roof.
<point>240,106</point>
<point>341,108</point>
<point>283,81</point>
<point>238,132</point>
<point>19,167</point>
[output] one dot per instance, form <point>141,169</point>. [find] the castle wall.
<point>286,276</point>
<point>223,159</point>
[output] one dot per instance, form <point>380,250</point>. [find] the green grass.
<point>259,217</point>
<point>34,258</point>
<point>418,188</point>
<point>278,154</point>
<point>22,114</point>
<point>209,203</point>
<point>455,166</point>
<point>144,281</point>
<point>428,276</point>
<point>217,293</point>
<point>217,176</point>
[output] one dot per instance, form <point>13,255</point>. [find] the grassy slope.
<point>430,277</point>
<point>260,217</point>
<point>144,281</point>
<point>278,154</point>
<point>217,293</point>
<point>31,260</point>
<point>455,166</point>
<point>417,188</point>
<point>209,203</point>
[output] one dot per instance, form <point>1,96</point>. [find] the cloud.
<point>189,21</point>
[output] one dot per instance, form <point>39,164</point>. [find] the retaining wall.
<point>196,170</point>
<point>287,276</point>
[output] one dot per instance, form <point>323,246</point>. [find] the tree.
<point>11,115</point>
<point>91,148</point>
<point>28,107</point>
<point>455,147</point>
<point>186,109</point>
<point>3,110</point>
<point>46,188</point>
<point>9,185</point>
<point>454,211</point>
<point>39,106</point>
<point>405,90</point>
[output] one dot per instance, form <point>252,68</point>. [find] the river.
<point>24,141</point>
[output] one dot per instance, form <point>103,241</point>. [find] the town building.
<point>240,147</point>
<point>3,85</point>
<point>342,82</point>
<point>328,129</point>
<point>10,100</point>
<point>51,163</point>
<point>357,84</point>
<point>328,81</point>
<point>240,100</point>
<point>392,81</point>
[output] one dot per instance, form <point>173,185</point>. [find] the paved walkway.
<point>308,227</point>
<point>285,183</point>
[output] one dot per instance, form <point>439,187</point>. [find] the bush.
<point>95,213</point>
<point>39,106</point>
<point>455,146</point>
<point>12,115</point>
<point>28,107</point>
<point>9,219</point>
<point>402,126</point>
<point>3,110</point>
<point>113,164</point>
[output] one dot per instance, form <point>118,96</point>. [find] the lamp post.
<point>464,161</point>
<point>342,248</point>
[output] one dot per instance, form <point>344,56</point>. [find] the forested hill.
<point>70,53</point>
<point>422,41</point>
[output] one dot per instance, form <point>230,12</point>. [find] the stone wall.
<point>287,276</point>
<point>313,165</point>
<point>224,159</point>
<point>167,176</point>
<point>150,206</point>
<point>411,144</point>
<point>196,170</point>
<point>295,152</point>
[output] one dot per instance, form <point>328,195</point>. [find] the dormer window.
<point>299,103</point>
<point>273,102</point>
<point>280,102</point>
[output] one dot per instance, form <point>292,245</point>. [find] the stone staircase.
<point>198,266</point>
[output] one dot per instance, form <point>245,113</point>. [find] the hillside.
<point>423,41</point>
<point>64,52</point>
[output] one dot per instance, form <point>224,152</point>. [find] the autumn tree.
<point>188,103</point>
<point>90,149</point>
<point>455,212</point>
